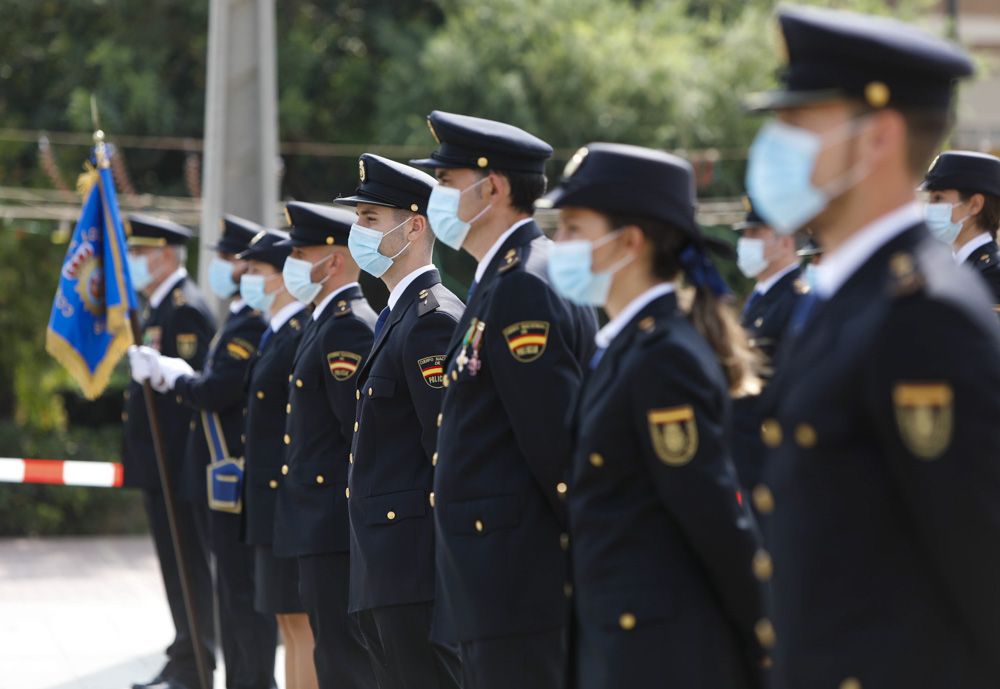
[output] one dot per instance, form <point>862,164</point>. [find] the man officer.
<point>215,446</point>
<point>881,496</point>
<point>391,478</point>
<point>176,322</point>
<point>311,521</point>
<point>514,369</point>
<point>964,210</point>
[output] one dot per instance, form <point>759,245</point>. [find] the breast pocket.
<point>314,474</point>
<point>625,609</point>
<point>379,387</point>
<point>392,508</point>
<point>482,516</point>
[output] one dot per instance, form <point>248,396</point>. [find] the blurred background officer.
<point>176,322</point>
<point>664,552</point>
<point>963,210</point>
<point>882,499</point>
<point>770,258</point>
<point>400,386</point>
<point>276,579</point>
<point>215,446</point>
<point>311,521</point>
<point>514,368</point>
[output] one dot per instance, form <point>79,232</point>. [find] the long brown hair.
<point>713,317</point>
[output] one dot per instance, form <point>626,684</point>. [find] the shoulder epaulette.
<point>510,259</point>
<point>906,277</point>
<point>179,298</point>
<point>800,286</point>
<point>427,302</point>
<point>342,308</point>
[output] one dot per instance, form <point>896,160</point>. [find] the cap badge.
<point>574,163</point>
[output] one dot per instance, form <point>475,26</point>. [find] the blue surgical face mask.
<point>138,268</point>
<point>780,169</point>
<point>220,278</point>
<point>252,289</point>
<point>364,243</point>
<point>938,219</point>
<point>298,278</point>
<point>750,256</point>
<point>442,211</point>
<point>571,274</point>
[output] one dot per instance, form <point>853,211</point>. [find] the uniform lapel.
<point>406,299</point>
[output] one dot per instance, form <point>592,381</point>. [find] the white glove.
<point>142,360</point>
<point>167,371</point>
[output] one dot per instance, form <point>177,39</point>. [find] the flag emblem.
<point>343,364</point>
<point>674,434</point>
<point>527,339</point>
<point>924,417</point>
<point>432,369</point>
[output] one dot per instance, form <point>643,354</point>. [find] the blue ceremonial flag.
<point>89,327</point>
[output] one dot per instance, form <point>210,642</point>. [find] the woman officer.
<point>667,564</point>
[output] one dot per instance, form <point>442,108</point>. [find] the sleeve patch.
<point>240,349</point>
<point>526,340</point>
<point>432,370</point>
<point>343,364</point>
<point>674,434</point>
<point>187,345</point>
<point>924,417</point>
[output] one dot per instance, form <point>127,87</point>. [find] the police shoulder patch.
<point>432,369</point>
<point>179,298</point>
<point>187,345</point>
<point>343,364</point>
<point>526,340</point>
<point>342,308</point>
<point>240,349</point>
<point>924,417</point>
<point>152,336</point>
<point>674,434</point>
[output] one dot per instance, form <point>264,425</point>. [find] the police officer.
<point>514,369</point>
<point>665,555</point>
<point>276,579</point>
<point>400,386</point>
<point>215,445</point>
<point>881,496</point>
<point>964,210</point>
<point>770,259</point>
<point>311,521</point>
<point>175,322</point>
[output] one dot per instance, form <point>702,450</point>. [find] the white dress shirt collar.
<point>287,311</point>
<point>322,305</point>
<point>401,286</point>
<point>484,264</point>
<point>161,292</point>
<point>609,332</point>
<point>236,305</point>
<point>979,240</point>
<point>838,266</point>
<point>764,287</point>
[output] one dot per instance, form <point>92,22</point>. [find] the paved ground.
<point>81,613</point>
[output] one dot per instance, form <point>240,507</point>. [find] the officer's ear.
<point>632,238</point>
<point>496,187</point>
<point>975,203</point>
<point>884,137</point>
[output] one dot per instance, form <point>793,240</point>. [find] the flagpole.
<point>161,465</point>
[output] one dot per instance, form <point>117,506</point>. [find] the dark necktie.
<point>472,290</point>
<point>803,310</point>
<point>264,338</point>
<point>598,355</point>
<point>380,323</point>
<point>754,298</point>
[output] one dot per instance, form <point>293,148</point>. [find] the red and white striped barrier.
<point>60,472</point>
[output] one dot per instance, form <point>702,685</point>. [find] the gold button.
<point>444,381</point>
<point>414,207</point>
<point>298,382</point>
<point>193,425</point>
<point>877,94</point>
<point>561,488</point>
<point>288,439</point>
<point>178,399</point>
<point>289,377</point>
<point>390,515</point>
<point>125,418</point>
<point>350,457</point>
<point>320,479</point>
<point>596,460</point>
<point>805,435</point>
<point>763,500</point>
<point>273,484</point>
<point>357,394</point>
<point>434,459</point>
<point>329,240</point>
<point>479,526</point>
<point>431,498</point>
<point>763,568</point>
<point>564,541</point>
<point>759,322</point>
<point>851,683</point>
<point>483,161</point>
<point>284,470</point>
<point>347,492</point>
<point>765,632</point>
<point>454,374</point>
<point>355,426</point>
<point>244,411</point>
<point>243,438</point>
<point>288,408</point>
<point>371,391</point>
<point>766,662</point>
<point>568,590</point>
<point>260,394</point>
<point>770,432</point>
<point>626,621</point>
<point>440,420</point>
